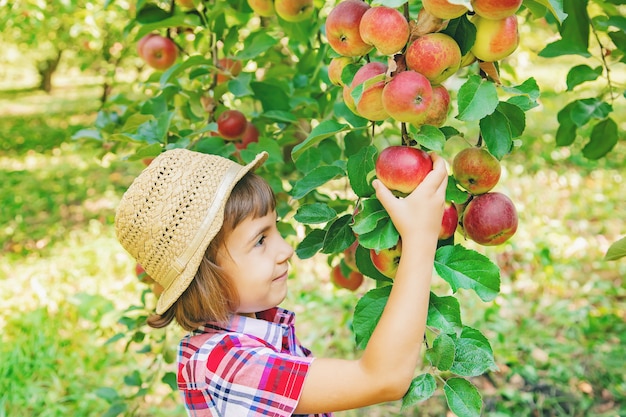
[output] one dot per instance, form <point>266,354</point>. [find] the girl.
<point>204,228</point>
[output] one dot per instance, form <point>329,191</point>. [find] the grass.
<point>66,286</point>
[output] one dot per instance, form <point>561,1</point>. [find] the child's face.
<point>256,258</point>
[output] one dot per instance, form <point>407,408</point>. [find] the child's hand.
<point>420,212</point>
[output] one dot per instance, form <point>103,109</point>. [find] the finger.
<point>384,195</point>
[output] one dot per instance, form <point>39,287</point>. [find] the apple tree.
<point>325,96</point>
<point>85,34</point>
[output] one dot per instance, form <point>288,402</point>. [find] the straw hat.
<point>172,211</point>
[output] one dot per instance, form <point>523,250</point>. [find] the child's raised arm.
<point>386,368</point>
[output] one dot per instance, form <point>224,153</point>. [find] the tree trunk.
<point>46,69</point>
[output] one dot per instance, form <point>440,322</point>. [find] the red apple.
<point>449,222</point>
<point>496,9</point>
<point>352,282</point>
<point>476,170</point>
<point>250,135</point>
<point>495,39</point>
<point>385,28</point>
<point>342,28</point>
<point>407,97</point>
<point>142,43</point>
<point>402,168</point>
<point>370,105</point>
<point>438,111</point>
<point>387,260</point>
<point>336,67</point>
<point>228,69</point>
<point>231,124</point>
<point>157,51</point>
<point>443,9</point>
<point>490,219</point>
<point>435,55</point>
<point>263,8</point>
<point>142,275</point>
<point>294,10</point>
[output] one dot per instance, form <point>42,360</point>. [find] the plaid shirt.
<point>250,367</point>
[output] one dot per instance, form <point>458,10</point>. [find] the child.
<point>204,227</point>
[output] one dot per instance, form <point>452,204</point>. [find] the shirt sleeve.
<point>243,376</point>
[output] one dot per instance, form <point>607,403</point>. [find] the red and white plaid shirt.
<point>250,367</point>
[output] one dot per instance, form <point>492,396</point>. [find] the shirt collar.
<point>270,325</point>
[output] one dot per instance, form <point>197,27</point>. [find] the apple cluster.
<point>408,86</point>
<point>488,218</point>
<point>233,126</point>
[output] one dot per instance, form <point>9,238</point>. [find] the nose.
<point>286,251</point>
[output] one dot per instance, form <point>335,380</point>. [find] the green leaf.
<point>422,388</point>
<point>370,213</point>
<point>320,132</point>
<point>454,193</point>
<point>584,110</point>
<point>384,236</point>
<point>315,213</point>
<point>255,45</point>
<point>311,244</point>
<point>108,394</point>
<point>317,177</point>
<point>339,235</point>
<point>574,32</point>
<point>444,313</point>
<point>360,165</point>
<point>616,251</point>
<point>431,137</point>
<point>581,74</point>
<point>170,379</point>
<point>554,6</point>
<point>441,354</point>
<point>463,398</point>
<point>367,313</point>
<point>603,138</point>
<point>465,268</point>
<point>147,151</point>
<point>115,410</point>
<point>271,95</point>
<point>87,134</point>
<point>240,86</point>
<point>477,98</point>
<point>473,354</point>
<point>462,31</point>
<point>566,133</point>
<point>176,69</point>
<point>279,116</point>
<point>496,132</point>
<point>515,116</point>
<point>528,87</point>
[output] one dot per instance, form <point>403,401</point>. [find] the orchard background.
<point>82,113</point>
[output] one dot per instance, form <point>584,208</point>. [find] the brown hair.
<point>211,296</point>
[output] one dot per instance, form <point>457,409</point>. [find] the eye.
<point>261,241</point>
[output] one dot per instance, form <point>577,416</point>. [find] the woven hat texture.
<point>171,212</point>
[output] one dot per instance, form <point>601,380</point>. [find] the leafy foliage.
<point>318,146</point>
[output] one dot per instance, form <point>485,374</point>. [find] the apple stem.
<point>406,140</point>
<point>479,143</point>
